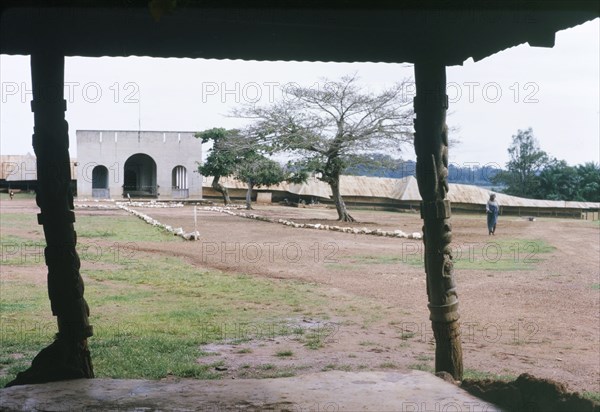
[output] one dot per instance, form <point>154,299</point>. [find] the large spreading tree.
<point>329,127</point>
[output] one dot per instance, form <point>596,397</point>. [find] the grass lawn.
<point>151,313</point>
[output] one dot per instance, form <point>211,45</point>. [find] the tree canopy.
<point>234,154</point>
<point>228,147</point>
<point>384,165</point>
<point>533,174</point>
<point>257,170</point>
<point>559,181</point>
<point>526,162</point>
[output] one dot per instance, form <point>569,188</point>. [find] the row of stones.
<point>175,231</point>
<point>95,206</point>
<point>318,226</point>
<point>151,204</point>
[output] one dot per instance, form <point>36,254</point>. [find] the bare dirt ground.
<point>543,320</point>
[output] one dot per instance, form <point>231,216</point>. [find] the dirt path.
<point>543,320</point>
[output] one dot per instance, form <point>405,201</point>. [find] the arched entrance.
<point>140,176</point>
<point>179,187</point>
<point>100,182</point>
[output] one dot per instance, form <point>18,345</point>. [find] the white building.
<point>115,163</point>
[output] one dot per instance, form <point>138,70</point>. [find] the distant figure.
<point>11,194</point>
<point>492,210</point>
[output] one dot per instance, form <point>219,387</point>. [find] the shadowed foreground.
<point>329,391</point>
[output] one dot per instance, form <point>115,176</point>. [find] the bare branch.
<point>328,127</point>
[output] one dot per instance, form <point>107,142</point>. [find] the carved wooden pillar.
<point>54,196</point>
<point>68,357</point>
<point>431,146</point>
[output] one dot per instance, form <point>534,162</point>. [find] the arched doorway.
<point>140,176</point>
<point>130,179</point>
<point>100,182</point>
<point>179,187</point>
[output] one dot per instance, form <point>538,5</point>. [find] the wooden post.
<point>68,357</point>
<point>195,222</point>
<point>431,146</point>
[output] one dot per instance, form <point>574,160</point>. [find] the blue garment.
<point>492,210</point>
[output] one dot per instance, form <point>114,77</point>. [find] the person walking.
<point>492,209</point>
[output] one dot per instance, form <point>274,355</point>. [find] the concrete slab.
<point>329,391</point>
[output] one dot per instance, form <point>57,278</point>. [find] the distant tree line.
<point>383,165</point>
<point>532,173</point>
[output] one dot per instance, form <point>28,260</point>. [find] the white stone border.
<point>318,226</point>
<point>95,200</point>
<point>175,231</point>
<point>151,204</point>
<point>96,206</point>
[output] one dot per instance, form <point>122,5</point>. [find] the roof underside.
<point>342,31</point>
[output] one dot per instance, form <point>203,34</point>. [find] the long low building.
<point>176,182</point>
<point>19,172</point>
<point>389,193</point>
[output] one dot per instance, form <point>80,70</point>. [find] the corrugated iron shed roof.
<point>406,189</point>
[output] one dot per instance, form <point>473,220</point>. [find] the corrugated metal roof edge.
<point>458,193</point>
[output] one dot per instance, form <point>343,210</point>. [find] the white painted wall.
<point>112,148</point>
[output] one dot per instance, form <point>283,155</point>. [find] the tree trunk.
<point>343,214</point>
<point>431,146</point>
<point>221,189</point>
<point>249,195</point>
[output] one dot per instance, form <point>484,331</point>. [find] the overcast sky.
<point>555,91</point>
